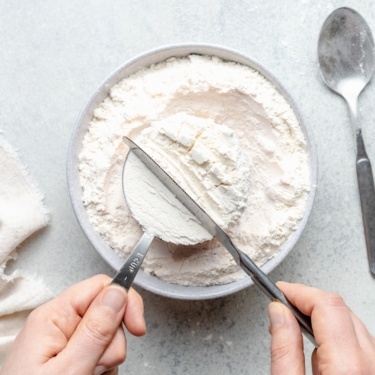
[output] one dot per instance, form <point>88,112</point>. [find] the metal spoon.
<point>347,62</point>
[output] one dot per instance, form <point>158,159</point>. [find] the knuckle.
<point>334,299</point>
<point>121,357</point>
<point>118,358</point>
<point>33,316</point>
<point>97,331</point>
<point>356,364</point>
<point>355,370</point>
<point>39,314</point>
<point>112,361</point>
<point>284,359</point>
<point>279,352</point>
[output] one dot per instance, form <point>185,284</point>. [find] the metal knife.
<point>260,279</point>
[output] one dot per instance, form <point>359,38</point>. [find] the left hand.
<point>78,332</point>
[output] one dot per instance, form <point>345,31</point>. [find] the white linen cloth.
<point>22,213</point>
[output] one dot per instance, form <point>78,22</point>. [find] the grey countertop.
<point>54,54</point>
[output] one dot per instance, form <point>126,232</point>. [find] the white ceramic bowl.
<point>146,281</point>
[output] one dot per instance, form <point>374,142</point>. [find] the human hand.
<point>78,332</point>
<point>344,344</point>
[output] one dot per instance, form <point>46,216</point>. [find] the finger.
<point>306,298</point>
<point>80,296</point>
<point>51,325</point>
<point>134,314</point>
<point>287,357</point>
<point>332,323</point>
<point>96,330</point>
<point>115,353</point>
<point>364,337</point>
<point>67,309</point>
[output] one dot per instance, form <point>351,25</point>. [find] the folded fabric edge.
<point>13,153</point>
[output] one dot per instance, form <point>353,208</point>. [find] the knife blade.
<point>257,275</point>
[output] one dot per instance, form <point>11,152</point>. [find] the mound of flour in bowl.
<point>269,136</point>
<point>205,159</point>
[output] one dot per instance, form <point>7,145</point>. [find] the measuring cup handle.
<point>126,275</point>
<point>367,195</point>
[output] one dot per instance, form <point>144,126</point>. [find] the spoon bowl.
<point>346,55</point>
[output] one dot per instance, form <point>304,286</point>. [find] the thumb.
<point>96,330</point>
<point>287,357</point>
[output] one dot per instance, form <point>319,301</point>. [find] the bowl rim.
<point>145,59</point>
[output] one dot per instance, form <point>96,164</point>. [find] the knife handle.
<point>274,293</point>
<point>367,195</point>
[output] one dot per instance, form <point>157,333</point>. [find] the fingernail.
<point>276,314</point>
<point>114,298</point>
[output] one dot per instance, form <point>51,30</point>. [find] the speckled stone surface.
<point>54,54</point>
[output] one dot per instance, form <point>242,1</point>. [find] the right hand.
<point>344,344</point>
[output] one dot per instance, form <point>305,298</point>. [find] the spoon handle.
<point>367,195</point>
<point>129,270</point>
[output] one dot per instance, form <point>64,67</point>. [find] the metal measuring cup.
<point>135,169</point>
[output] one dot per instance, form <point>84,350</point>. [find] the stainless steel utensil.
<point>135,169</point>
<point>127,273</point>
<point>256,274</point>
<point>347,62</point>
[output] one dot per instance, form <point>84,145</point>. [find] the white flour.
<point>226,93</point>
<point>205,159</point>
